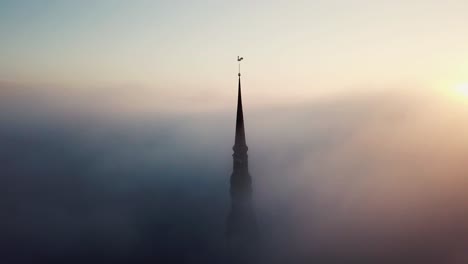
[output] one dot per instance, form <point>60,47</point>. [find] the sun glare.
<point>462,89</point>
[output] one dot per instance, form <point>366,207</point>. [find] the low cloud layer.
<point>376,178</point>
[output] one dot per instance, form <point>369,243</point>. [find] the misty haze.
<point>129,132</point>
<point>344,179</point>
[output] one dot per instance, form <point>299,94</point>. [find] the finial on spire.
<point>239,59</point>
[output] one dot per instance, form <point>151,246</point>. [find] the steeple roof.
<point>240,143</point>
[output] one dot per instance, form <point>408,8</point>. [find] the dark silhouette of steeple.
<point>240,145</point>
<point>241,222</point>
<point>240,175</point>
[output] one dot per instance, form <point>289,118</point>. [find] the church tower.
<point>241,221</point>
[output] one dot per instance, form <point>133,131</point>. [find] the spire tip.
<point>239,59</point>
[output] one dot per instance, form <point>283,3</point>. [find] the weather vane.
<point>239,59</point>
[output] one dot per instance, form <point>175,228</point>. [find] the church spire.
<point>241,220</point>
<point>240,144</point>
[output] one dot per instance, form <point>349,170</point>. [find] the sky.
<point>117,122</point>
<point>178,53</point>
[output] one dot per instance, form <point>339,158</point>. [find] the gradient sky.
<point>118,118</point>
<point>153,53</point>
